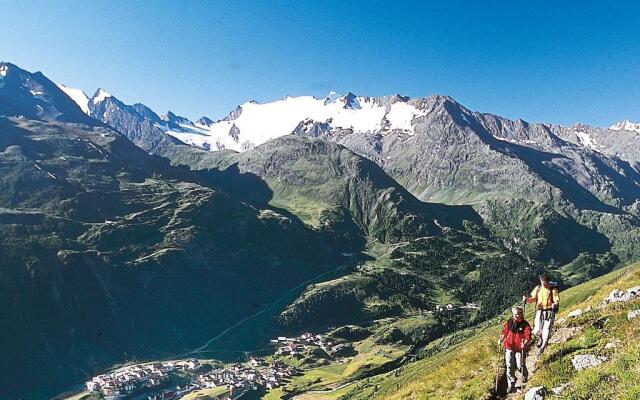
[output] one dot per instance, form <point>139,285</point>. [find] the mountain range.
<point>579,178</point>
<point>131,235</point>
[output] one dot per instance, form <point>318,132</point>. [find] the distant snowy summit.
<point>82,100</point>
<point>626,125</point>
<point>252,123</point>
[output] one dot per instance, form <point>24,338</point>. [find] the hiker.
<point>547,299</point>
<point>515,339</point>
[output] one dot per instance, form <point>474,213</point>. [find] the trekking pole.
<point>497,374</point>
<point>522,351</point>
<point>523,365</point>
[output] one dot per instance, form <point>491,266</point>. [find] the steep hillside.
<point>421,254</point>
<point>553,179</point>
<point>34,96</point>
<point>463,365</point>
<point>100,239</point>
<point>314,178</point>
<point>108,254</point>
<point>596,350</point>
<point>504,168</point>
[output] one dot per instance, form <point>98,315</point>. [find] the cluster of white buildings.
<point>449,307</point>
<point>153,379</point>
<point>137,378</point>
<point>293,346</point>
<point>239,378</point>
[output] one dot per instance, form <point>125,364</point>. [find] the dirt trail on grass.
<point>560,335</point>
<point>531,361</point>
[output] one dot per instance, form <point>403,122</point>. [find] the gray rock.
<point>535,393</point>
<point>575,313</point>
<point>613,344</point>
<point>633,314</point>
<point>585,361</point>
<point>558,390</point>
<point>564,334</point>
<point>622,296</point>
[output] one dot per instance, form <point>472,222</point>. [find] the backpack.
<point>552,286</point>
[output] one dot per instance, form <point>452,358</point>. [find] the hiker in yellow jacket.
<point>547,299</point>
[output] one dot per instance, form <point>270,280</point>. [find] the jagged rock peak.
<point>235,114</point>
<point>33,95</point>
<point>205,121</point>
<point>173,118</point>
<point>99,96</point>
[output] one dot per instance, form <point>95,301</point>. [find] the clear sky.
<point>560,62</point>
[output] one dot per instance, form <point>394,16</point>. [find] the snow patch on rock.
<point>586,140</point>
<point>100,96</point>
<point>535,393</point>
<point>78,96</point>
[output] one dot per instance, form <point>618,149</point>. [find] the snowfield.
<point>586,140</point>
<point>258,123</point>
<point>252,124</point>
<point>78,96</point>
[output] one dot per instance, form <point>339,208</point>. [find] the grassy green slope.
<point>463,365</point>
<point>99,240</point>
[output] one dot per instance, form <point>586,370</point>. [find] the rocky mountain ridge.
<point>161,220</point>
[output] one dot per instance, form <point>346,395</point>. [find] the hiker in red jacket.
<point>515,339</point>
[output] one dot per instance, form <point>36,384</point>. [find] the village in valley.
<point>174,379</point>
<point>282,366</point>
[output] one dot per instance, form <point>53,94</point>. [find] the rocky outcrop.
<point>535,393</point>
<point>631,315</point>
<point>617,296</point>
<point>585,361</point>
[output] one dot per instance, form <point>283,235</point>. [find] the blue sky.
<point>560,63</point>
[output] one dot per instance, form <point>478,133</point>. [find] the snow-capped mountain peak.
<point>351,101</point>
<point>99,96</point>
<point>78,96</point>
<point>252,123</point>
<point>625,125</point>
<point>205,121</point>
<point>175,121</point>
<point>32,95</point>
